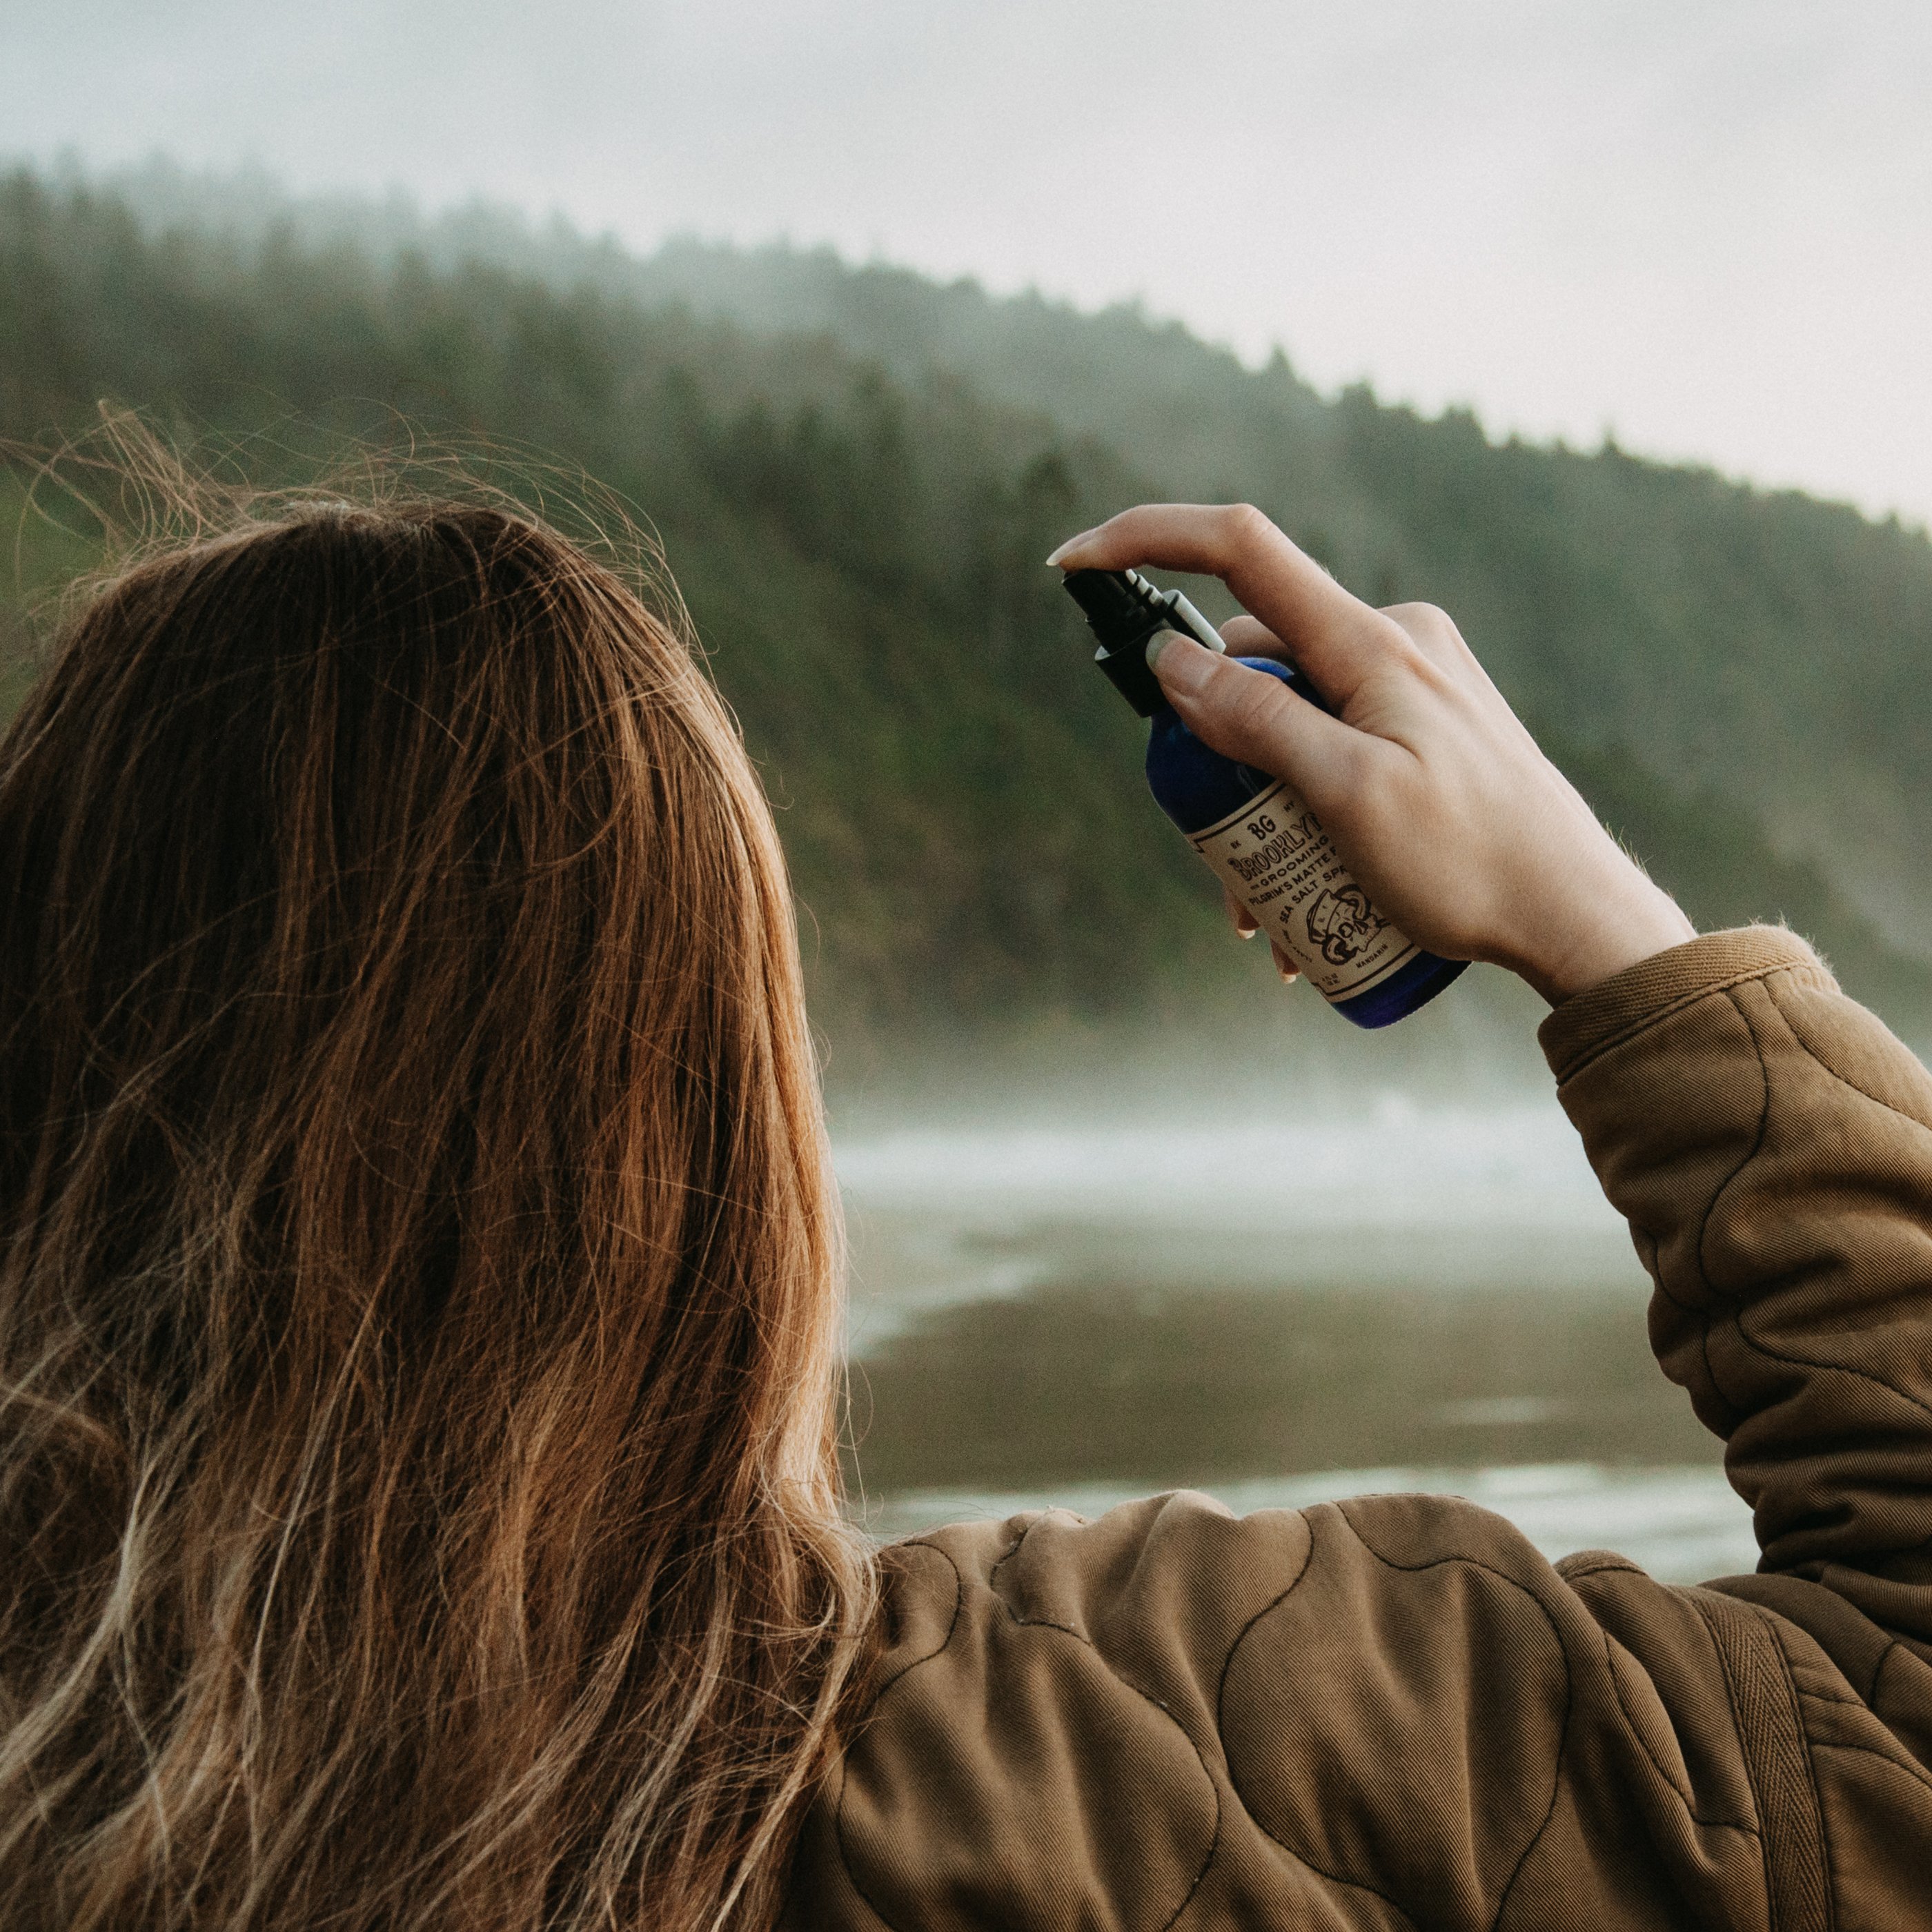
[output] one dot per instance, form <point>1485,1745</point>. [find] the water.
<point>1276,1312</point>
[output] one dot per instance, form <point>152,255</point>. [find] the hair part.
<point>418,1258</point>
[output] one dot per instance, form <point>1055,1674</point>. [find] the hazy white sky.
<point>1707,224</point>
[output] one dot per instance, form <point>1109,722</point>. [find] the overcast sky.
<point>1704,223</point>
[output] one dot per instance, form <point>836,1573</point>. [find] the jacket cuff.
<point>1617,1009</point>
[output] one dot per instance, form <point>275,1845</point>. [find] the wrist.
<point>1613,932</point>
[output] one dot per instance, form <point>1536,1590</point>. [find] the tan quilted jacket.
<point>1393,1712</point>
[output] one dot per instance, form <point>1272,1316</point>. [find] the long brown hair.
<point>417,1260</point>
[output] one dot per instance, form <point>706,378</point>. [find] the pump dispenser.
<point>1262,842</point>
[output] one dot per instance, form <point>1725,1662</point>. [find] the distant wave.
<point>1394,1164</point>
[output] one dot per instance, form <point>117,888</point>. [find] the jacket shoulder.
<point>1172,1707</point>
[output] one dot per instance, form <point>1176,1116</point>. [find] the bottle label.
<point>1274,856</point>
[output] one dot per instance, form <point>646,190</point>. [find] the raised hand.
<point>1456,825</point>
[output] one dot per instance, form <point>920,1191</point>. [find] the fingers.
<point>1246,715</point>
<point>1249,638</point>
<point>1243,923</point>
<point>1330,631</point>
<point>1433,633</point>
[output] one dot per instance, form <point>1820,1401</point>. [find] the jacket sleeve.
<point>1771,1144</point>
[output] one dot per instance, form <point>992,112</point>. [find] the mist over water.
<point>1392,1161</point>
<point>1407,1295</point>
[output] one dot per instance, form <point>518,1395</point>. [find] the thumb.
<point>1247,714</point>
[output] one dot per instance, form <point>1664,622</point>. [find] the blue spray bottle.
<point>1259,839</point>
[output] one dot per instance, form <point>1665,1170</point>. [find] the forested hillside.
<point>855,475</point>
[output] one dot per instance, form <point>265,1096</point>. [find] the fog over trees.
<point>855,473</point>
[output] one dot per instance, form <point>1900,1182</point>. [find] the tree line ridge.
<point>854,473</point>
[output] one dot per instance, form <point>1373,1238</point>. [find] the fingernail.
<point>1187,670</point>
<point>1066,549</point>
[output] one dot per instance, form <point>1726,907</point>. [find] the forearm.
<point>1771,1145</point>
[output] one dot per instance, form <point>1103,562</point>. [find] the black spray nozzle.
<point>1123,610</point>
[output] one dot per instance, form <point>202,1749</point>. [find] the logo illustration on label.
<point>1341,923</point>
